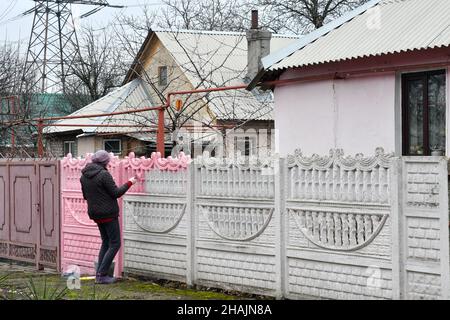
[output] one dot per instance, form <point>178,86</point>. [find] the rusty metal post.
<point>13,132</point>
<point>40,143</point>
<point>160,134</point>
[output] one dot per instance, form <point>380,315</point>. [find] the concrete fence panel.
<point>235,232</point>
<point>155,218</point>
<point>424,228</point>
<point>338,226</point>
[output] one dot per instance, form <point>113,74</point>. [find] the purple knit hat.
<point>101,157</point>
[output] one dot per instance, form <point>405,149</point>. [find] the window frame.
<point>115,140</point>
<point>160,82</point>
<point>247,143</point>
<point>424,77</point>
<point>71,144</point>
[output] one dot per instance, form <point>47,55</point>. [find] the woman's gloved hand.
<point>133,180</point>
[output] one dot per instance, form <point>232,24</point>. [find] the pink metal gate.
<point>30,212</point>
<point>80,238</point>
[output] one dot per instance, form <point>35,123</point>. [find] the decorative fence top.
<point>154,162</point>
<point>80,163</point>
<point>243,163</point>
<point>154,173</point>
<point>240,177</point>
<point>338,178</point>
<point>336,158</point>
<point>157,162</point>
<point>71,170</point>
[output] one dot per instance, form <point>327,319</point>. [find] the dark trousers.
<point>110,233</point>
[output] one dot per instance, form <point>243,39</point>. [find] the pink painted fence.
<point>80,238</point>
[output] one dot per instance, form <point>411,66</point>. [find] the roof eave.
<point>279,55</point>
<point>132,71</point>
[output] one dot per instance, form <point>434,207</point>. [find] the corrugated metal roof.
<point>215,59</point>
<point>211,58</point>
<point>377,28</point>
<point>242,104</point>
<point>133,95</point>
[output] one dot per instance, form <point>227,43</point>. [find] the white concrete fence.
<point>331,227</point>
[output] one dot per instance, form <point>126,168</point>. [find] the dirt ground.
<point>19,281</point>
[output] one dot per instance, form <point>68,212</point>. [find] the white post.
<point>191,220</point>
<point>445,267</point>
<point>396,198</point>
<point>280,229</point>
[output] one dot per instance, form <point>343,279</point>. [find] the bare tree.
<point>10,69</point>
<point>99,70</point>
<point>301,16</point>
<point>218,15</point>
<point>16,108</point>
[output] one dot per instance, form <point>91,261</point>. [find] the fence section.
<point>424,228</point>
<point>338,226</point>
<point>30,212</point>
<point>330,227</point>
<point>80,237</point>
<point>234,225</point>
<point>155,219</point>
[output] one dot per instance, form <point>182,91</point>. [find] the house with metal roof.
<point>376,77</point>
<point>180,60</point>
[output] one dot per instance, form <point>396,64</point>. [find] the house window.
<point>113,145</point>
<point>423,109</point>
<point>162,76</point>
<point>69,147</point>
<point>243,146</point>
<point>247,146</point>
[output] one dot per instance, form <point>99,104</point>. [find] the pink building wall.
<point>358,113</point>
<point>355,114</point>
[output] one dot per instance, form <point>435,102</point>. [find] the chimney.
<point>258,46</point>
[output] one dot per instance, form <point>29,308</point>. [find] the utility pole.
<point>53,47</point>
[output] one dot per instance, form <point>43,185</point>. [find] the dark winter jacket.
<point>101,192</point>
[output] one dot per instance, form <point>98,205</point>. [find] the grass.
<point>44,291</point>
<point>23,286</point>
<point>17,282</point>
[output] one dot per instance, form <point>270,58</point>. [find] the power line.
<point>53,47</point>
<point>10,7</point>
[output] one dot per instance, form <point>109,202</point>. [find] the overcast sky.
<point>19,29</point>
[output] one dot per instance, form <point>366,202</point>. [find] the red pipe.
<point>160,134</point>
<point>95,125</point>
<point>13,132</point>
<point>40,142</point>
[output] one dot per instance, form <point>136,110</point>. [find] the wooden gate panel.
<point>49,214</point>
<point>4,209</point>
<point>23,203</point>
